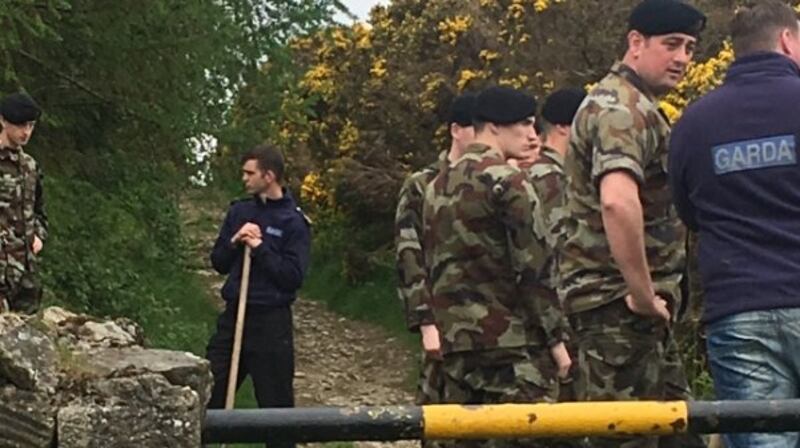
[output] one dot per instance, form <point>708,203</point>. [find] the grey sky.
<point>359,7</point>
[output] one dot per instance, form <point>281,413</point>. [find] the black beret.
<point>561,105</point>
<point>461,110</point>
<point>19,108</point>
<point>504,105</point>
<point>659,17</point>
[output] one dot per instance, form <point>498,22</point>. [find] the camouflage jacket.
<point>549,182</point>
<point>413,287</point>
<point>21,213</point>
<point>618,127</point>
<point>484,261</point>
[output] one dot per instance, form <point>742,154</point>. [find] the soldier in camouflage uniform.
<point>23,224</point>
<point>547,171</point>
<point>624,255</point>
<point>547,177</point>
<point>502,332</point>
<point>413,287</point>
<point>546,174</point>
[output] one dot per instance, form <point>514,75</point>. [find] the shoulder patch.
<point>305,217</point>
<point>274,231</point>
<point>754,154</point>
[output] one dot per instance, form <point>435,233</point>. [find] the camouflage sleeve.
<point>548,180</point>
<point>619,143</point>
<point>412,287</point>
<point>40,217</point>
<point>529,254</point>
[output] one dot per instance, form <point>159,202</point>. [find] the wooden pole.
<point>233,374</point>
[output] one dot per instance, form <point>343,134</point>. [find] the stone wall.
<point>71,381</point>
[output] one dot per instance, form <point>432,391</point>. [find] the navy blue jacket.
<point>278,264</point>
<point>735,179</point>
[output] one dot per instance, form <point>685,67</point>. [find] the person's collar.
<point>551,153</point>
<point>762,63</point>
<point>284,196</point>
<point>629,74</point>
<point>484,149</point>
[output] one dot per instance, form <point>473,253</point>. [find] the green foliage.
<point>365,291</point>
<point>125,87</point>
<point>116,250</point>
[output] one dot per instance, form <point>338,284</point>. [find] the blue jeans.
<point>756,356</point>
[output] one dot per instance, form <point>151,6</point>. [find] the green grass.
<point>373,301</point>
<point>188,316</point>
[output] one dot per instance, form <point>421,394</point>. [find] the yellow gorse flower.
<point>348,138</point>
<point>312,191</point>
<point>319,79</point>
<point>363,36</point>
<point>451,28</point>
<point>488,55</point>
<point>378,69</point>
<point>468,75</point>
<point>516,9</point>
<point>541,5</point>
<point>516,82</point>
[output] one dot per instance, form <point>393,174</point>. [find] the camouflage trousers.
<point>24,298</point>
<point>623,356</point>
<point>429,388</point>
<point>506,375</point>
<point>20,284</point>
<point>24,302</point>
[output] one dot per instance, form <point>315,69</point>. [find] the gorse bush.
<point>369,101</point>
<point>369,104</point>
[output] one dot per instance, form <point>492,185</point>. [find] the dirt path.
<point>339,362</point>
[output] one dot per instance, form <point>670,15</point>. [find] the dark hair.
<point>756,25</point>
<point>268,157</point>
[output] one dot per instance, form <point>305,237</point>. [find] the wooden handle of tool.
<point>230,397</point>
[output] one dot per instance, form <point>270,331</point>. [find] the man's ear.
<point>784,40</point>
<point>636,42</point>
<point>454,131</point>
<point>270,177</point>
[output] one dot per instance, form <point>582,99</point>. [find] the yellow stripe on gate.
<point>548,420</point>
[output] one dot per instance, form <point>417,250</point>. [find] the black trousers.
<point>267,356</point>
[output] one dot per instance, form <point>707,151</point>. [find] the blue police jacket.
<point>278,265</point>
<point>735,179</point>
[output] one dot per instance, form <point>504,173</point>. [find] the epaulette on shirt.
<point>246,198</point>
<point>305,217</point>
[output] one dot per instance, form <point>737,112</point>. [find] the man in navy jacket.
<point>275,229</point>
<point>735,179</point>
